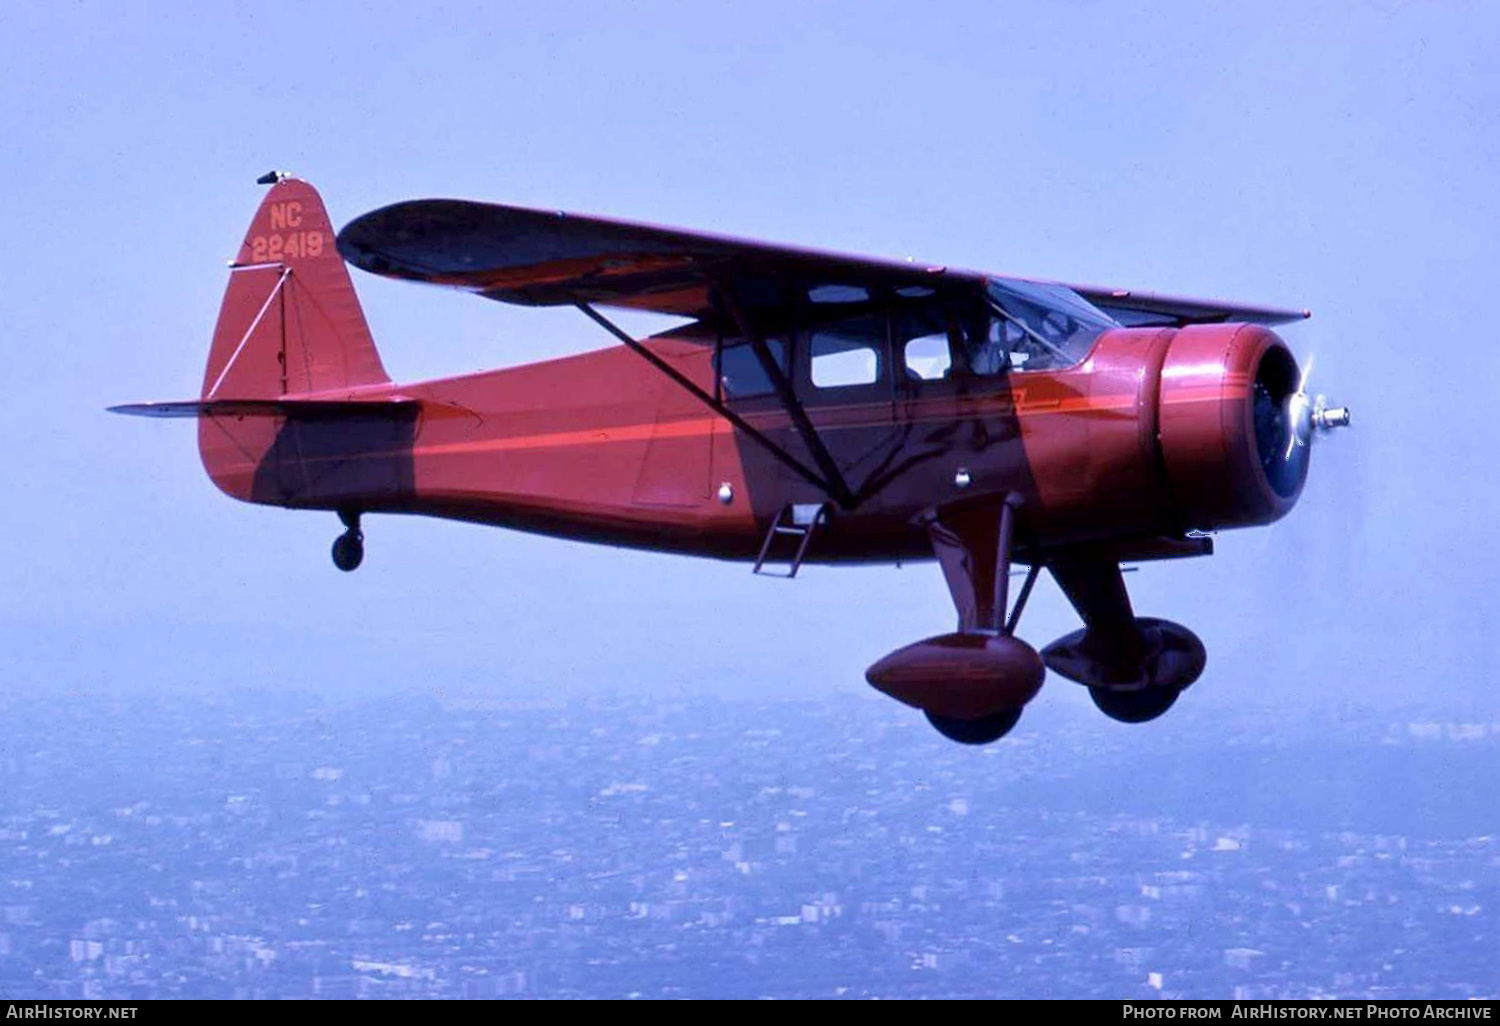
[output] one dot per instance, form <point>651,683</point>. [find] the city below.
<point>270,845</point>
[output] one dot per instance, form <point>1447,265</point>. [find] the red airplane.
<point>814,407</point>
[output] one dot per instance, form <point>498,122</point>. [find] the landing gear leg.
<point>972,683</point>
<point>349,547</point>
<point>1134,667</point>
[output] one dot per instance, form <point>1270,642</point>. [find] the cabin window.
<point>986,350</point>
<point>847,353</point>
<point>825,294</point>
<point>927,357</point>
<point>940,341</point>
<point>740,372</point>
<point>845,367</point>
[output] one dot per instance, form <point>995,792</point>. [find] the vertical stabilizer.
<point>290,322</point>
<point>290,326</point>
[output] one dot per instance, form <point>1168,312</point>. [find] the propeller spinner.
<point>1305,414</point>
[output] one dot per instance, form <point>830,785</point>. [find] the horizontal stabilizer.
<point>267,408</point>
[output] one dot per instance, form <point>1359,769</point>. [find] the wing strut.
<point>834,488</point>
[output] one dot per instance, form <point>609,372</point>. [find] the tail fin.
<point>292,412</point>
<point>290,322</point>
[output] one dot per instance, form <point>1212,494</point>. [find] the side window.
<point>987,345</point>
<point>927,357</point>
<point>953,339</point>
<point>847,353</point>
<point>1019,347</point>
<point>844,367</point>
<point>740,372</point>
<point>826,294</point>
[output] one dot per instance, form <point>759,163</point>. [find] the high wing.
<point>1146,309</point>
<point>553,258</point>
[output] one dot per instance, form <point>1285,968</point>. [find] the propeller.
<point>1305,414</point>
<point>1326,540</point>
<point>1286,420</point>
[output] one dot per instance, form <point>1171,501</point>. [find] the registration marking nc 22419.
<point>291,243</point>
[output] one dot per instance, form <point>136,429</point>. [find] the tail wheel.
<point>1134,706</point>
<point>976,732</point>
<point>348,551</point>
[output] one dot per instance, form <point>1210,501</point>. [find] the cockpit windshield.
<point>1041,325</point>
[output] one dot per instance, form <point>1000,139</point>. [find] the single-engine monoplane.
<point>809,407</point>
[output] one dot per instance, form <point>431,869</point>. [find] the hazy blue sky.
<point>1335,156</point>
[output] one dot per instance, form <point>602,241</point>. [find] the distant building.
<point>1241,958</point>
<point>441,831</point>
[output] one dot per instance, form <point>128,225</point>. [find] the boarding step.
<point>795,520</point>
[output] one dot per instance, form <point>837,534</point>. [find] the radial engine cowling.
<point>1225,431</point>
